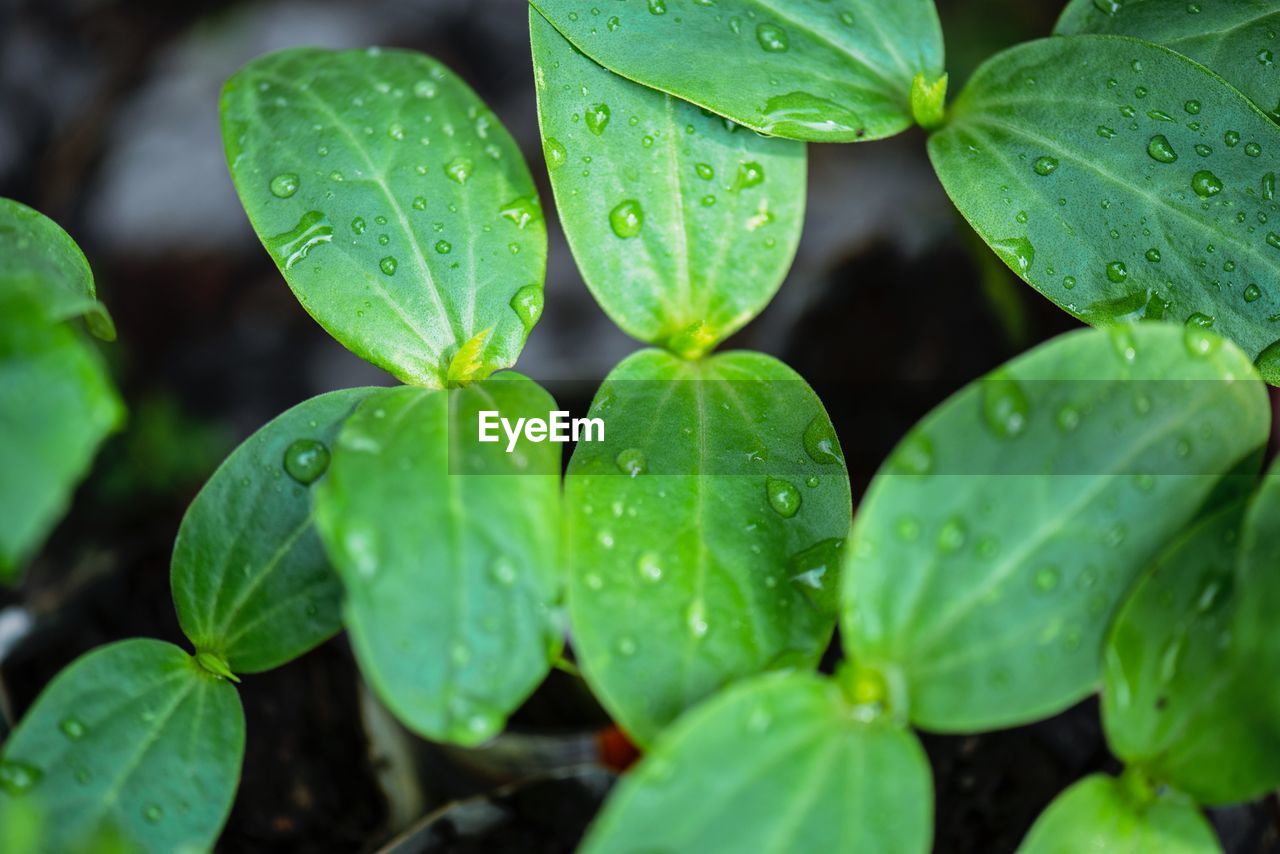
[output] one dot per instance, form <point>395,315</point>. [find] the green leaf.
<point>43,262</point>
<point>1183,698</point>
<point>1234,38</point>
<point>393,200</point>
<point>683,224</point>
<point>1072,180</point>
<point>133,739</point>
<point>775,764</point>
<point>1104,814</point>
<point>993,547</point>
<point>449,553</point>
<point>57,404</point>
<point>250,578</point>
<point>719,481</point>
<point>803,69</point>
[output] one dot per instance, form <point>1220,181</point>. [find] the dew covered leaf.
<point>994,545</point>
<point>250,578</point>
<point>449,553</point>
<point>133,740</point>
<point>396,205</point>
<point>1182,697</point>
<point>775,764</point>
<point>803,69</point>
<point>44,263</point>
<point>1136,186</point>
<point>57,404</point>
<point>1237,39</point>
<point>1101,813</point>
<point>703,534</point>
<point>683,224</point>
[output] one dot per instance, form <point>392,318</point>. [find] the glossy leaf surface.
<point>398,208</point>
<point>1101,814</point>
<point>701,532</point>
<point>683,224</point>
<point>250,578</point>
<point>1182,696</point>
<point>57,404</point>
<point>1238,39</point>
<point>44,263</point>
<point>135,740</point>
<point>804,69</point>
<point>449,553</point>
<point>776,764</point>
<point>1135,186</point>
<point>994,545</point>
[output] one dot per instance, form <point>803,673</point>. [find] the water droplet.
<point>626,219</point>
<point>1197,338</point>
<point>152,813</point>
<point>783,496</point>
<point>17,777</point>
<point>1231,138</point>
<point>388,265</point>
<point>626,646</point>
<point>527,304</point>
<point>799,112</point>
<point>631,462</point>
<point>1046,579</point>
<point>914,455</point>
<point>1117,271</point>
<point>554,152</point>
<point>293,245</point>
<point>705,171</point>
<point>285,185</point>
<point>820,441</point>
<point>773,39</point>
<point>1273,240</point>
<point>444,247</point>
<point>649,568</point>
<point>1068,418</point>
<point>613,24</point>
<point>696,619</point>
<point>953,534</point>
<point>657,7</point>
<point>522,211</point>
<point>459,169</point>
<point>1005,407</point>
<point>1160,150</point>
<point>1017,252</point>
<point>1045,166</point>
<point>1192,107</point>
<point>1252,293</point>
<point>1106,132</point>
<point>907,529</point>
<point>749,175</point>
<point>1206,184</point>
<point>73,728</point>
<point>815,571</point>
<point>597,118</point>
<point>1153,255</point>
<point>358,225</point>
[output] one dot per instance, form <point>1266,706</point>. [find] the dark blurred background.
<point>109,125</point>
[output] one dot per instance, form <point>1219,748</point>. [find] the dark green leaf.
<point>250,578</point>
<point>1234,38</point>
<point>44,263</point>
<point>449,552</point>
<point>57,404</point>
<point>1182,697</point>
<point>683,224</point>
<point>1106,815</point>
<point>802,69</point>
<point>397,206</point>
<point>993,547</point>
<point>777,764</point>
<point>699,531</point>
<point>133,739</point>
<point>1112,188</point>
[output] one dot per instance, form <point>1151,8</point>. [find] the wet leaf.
<point>1113,190</point>
<point>718,483</point>
<point>822,71</point>
<point>683,224</point>
<point>993,547</point>
<point>775,764</point>
<point>449,553</point>
<point>132,740</point>
<point>250,578</point>
<point>398,208</point>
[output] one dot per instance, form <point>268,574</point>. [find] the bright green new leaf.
<point>778,764</point>
<point>1119,816</point>
<point>43,262</point>
<point>393,200</point>
<point>449,553</point>
<point>701,530</point>
<point>57,404</point>
<point>1182,697</point>
<point>1123,181</point>
<point>802,69</point>
<point>683,224</point>
<point>1235,38</point>
<point>250,578</point>
<point>993,547</point>
<point>133,740</point>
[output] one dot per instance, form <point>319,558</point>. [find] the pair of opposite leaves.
<point>982,574</point>
<point>1120,179</point>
